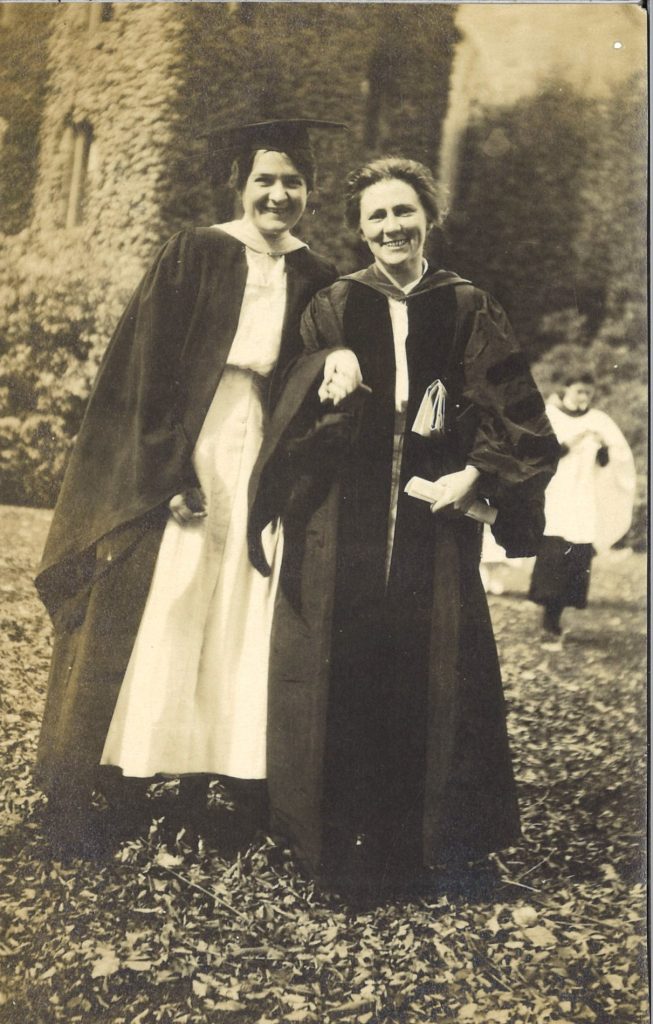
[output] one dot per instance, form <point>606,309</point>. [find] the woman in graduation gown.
<point>161,624</point>
<point>387,743</point>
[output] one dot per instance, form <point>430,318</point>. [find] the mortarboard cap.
<point>277,134</point>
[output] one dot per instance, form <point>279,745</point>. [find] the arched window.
<point>76,145</point>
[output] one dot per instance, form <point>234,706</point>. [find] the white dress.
<point>194,696</point>
<point>586,503</point>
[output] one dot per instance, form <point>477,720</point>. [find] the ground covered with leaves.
<point>175,934</point>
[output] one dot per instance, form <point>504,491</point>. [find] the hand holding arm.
<point>342,376</point>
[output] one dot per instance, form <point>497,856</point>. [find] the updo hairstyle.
<point>386,169</point>
<point>301,156</point>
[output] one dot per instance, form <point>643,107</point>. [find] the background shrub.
<point>55,319</point>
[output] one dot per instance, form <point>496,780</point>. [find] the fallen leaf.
<point>540,936</point>
<point>615,981</point>
<point>524,917</point>
<point>165,859</point>
<point>468,1011</point>
<point>106,965</point>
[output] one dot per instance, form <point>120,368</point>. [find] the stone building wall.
<point>145,82</point>
<point>122,166</point>
<point>24,34</point>
<point>112,83</point>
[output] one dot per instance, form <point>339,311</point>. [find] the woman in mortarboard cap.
<point>162,626</point>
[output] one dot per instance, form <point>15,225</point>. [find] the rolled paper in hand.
<point>482,512</point>
<point>427,490</point>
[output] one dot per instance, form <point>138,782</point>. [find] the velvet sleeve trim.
<point>514,440</point>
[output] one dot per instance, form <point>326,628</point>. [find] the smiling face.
<point>394,224</point>
<point>275,194</point>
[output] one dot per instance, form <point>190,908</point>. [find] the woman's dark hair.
<point>386,169</point>
<point>582,377</point>
<point>301,157</point>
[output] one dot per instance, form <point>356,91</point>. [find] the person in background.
<point>588,504</point>
<point>388,751</point>
<point>162,626</point>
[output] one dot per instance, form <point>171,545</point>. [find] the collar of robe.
<point>245,232</point>
<point>374,278</point>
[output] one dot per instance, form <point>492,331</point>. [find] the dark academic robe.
<point>132,454</point>
<point>387,743</point>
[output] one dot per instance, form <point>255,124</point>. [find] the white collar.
<point>406,288</point>
<point>248,234</point>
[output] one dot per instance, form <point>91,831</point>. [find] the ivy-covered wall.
<point>118,78</point>
<point>24,34</point>
<point>141,81</point>
<point>62,289</point>
<point>311,59</point>
<point>153,77</point>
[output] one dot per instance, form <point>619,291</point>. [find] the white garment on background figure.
<point>586,503</point>
<point>194,697</point>
<point>494,563</point>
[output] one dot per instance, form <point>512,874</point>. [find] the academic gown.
<point>132,454</point>
<point>387,742</point>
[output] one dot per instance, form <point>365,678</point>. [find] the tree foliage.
<point>53,329</point>
<point>550,215</point>
<point>551,218</point>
